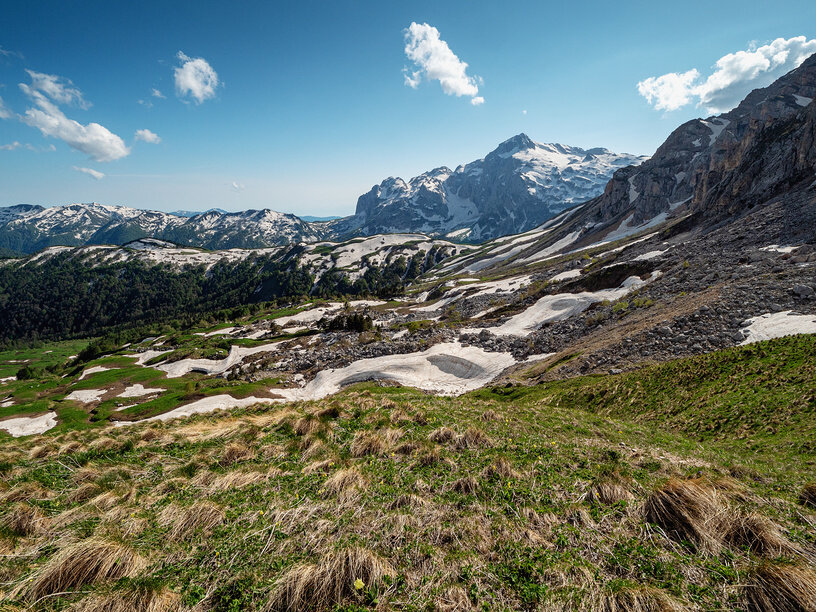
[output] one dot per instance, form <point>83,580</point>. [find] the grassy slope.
<point>223,508</point>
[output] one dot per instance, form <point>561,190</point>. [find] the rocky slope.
<point>514,188</point>
<point>717,168</point>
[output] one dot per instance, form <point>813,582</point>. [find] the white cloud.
<point>157,94</point>
<point>734,76</point>
<point>5,113</point>
<point>147,136</point>
<point>670,91</point>
<point>58,89</point>
<point>93,139</point>
<point>10,146</point>
<point>435,61</point>
<point>90,172</point>
<point>524,112</point>
<point>196,78</point>
<point>238,186</point>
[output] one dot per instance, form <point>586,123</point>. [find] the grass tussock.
<point>466,485</point>
<point>808,495</point>
<point>760,535</point>
<point>635,600</point>
<point>609,493</point>
<point>338,576</point>
<point>134,598</point>
<point>472,438</point>
<point>23,520</point>
<point>344,481</point>
<point>235,453</point>
<point>688,511</point>
<point>500,469</point>
<point>367,443</point>
<point>185,523</point>
<point>442,435</point>
<point>454,599</point>
<point>780,588</point>
<point>87,562</point>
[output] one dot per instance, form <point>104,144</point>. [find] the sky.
<point>303,106</point>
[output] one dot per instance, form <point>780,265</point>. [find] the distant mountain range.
<point>514,188</point>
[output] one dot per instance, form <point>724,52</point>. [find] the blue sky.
<point>312,105</point>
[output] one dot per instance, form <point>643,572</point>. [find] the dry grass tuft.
<point>307,424</point>
<point>331,412</point>
<point>635,600</point>
<point>443,435</point>
<point>325,584</point>
<point>609,493</point>
<point>500,469</point>
<point>26,491</point>
<point>237,480</point>
<point>808,495</point>
<point>761,535</point>
<point>466,486</point>
<point>325,466</point>
<point>86,562</point>
<point>781,588</point>
<point>38,452</point>
<point>186,522</point>
<point>344,481</point>
<point>473,438</point>
<point>23,520</point>
<point>454,599</point>
<point>688,511</point>
<point>412,502</point>
<point>367,443</point>
<point>235,453</point>
<point>149,434</point>
<point>133,599</point>
<point>84,492</point>
<point>489,415</point>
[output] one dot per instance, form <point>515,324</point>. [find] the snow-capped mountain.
<point>516,187</point>
<point>27,229</point>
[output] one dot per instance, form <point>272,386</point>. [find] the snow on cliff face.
<point>516,187</point>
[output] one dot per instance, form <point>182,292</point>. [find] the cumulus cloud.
<point>195,78</point>
<point>93,139</point>
<point>734,76</point>
<point>670,91</point>
<point>5,113</point>
<point>58,89</point>
<point>433,60</point>
<point>157,94</point>
<point>147,136</point>
<point>90,172</point>
<point>524,112</point>
<point>11,146</point>
<point>238,186</point>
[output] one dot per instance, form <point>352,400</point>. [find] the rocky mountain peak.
<point>519,142</point>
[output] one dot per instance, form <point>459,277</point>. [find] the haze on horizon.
<point>285,107</point>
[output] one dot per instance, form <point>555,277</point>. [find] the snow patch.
<point>777,325</point>
<point>27,426</point>
<point>448,369</point>
<point>138,390</point>
<point>93,370</point>
<point>86,396</point>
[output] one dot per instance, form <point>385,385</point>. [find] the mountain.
<point>27,229</point>
<point>715,169</point>
<point>516,187</point>
<point>193,213</point>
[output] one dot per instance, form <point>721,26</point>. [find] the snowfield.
<point>561,306</point>
<point>778,325</point>
<point>448,369</point>
<point>28,426</point>
<point>213,366</point>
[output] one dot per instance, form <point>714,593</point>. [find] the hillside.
<point>388,498</point>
